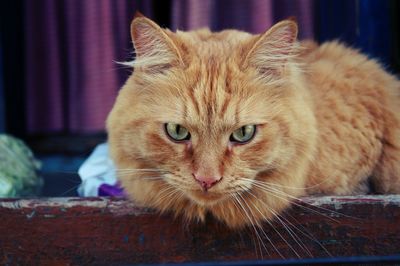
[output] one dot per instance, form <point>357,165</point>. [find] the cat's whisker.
<point>260,226</point>
<point>168,198</point>
<point>139,173</point>
<point>266,219</point>
<point>290,187</point>
<point>142,170</point>
<point>291,232</point>
<point>69,190</point>
<point>175,196</point>
<point>284,196</point>
<point>265,185</point>
<point>306,233</point>
<point>294,236</point>
<point>233,196</point>
<point>181,195</point>
<point>292,200</point>
<point>144,177</point>
<point>239,211</point>
<point>141,177</point>
<point>142,173</point>
<point>317,207</point>
<point>165,187</point>
<point>164,192</point>
<point>260,241</point>
<point>152,178</point>
<point>288,229</point>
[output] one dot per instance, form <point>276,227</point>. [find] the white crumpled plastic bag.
<point>98,172</point>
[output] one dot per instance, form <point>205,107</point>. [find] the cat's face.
<point>203,116</point>
<point>208,132</point>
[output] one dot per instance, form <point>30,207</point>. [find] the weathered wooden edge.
<point>106,231</point>
<point>118,206</point>
<point>115,205</point>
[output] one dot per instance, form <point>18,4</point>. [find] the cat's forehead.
<point>219,101</point>
<point>212,94</point>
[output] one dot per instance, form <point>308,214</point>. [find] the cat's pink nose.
<point>207,182</point>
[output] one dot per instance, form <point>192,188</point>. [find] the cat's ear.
<point>271,51</point>
<point>153,47</point>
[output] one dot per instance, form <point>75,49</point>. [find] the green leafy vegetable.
<point>18,169</point>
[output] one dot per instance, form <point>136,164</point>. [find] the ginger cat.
<point>240,125</point>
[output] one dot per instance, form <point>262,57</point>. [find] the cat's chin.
<point>206,198</point>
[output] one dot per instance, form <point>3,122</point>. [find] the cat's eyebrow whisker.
<point>276,230</point>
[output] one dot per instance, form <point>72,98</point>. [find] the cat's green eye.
<point>243,134</point>
<point>177,132</point>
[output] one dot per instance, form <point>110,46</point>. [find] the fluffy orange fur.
<point>327,122</point>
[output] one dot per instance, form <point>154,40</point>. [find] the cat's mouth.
<point>206,197</point>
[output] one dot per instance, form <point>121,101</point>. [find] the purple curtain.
<point>72,46</point>
<point>252,15</point>
<point>71,49</point>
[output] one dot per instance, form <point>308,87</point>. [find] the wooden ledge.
<point>109,231</point>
